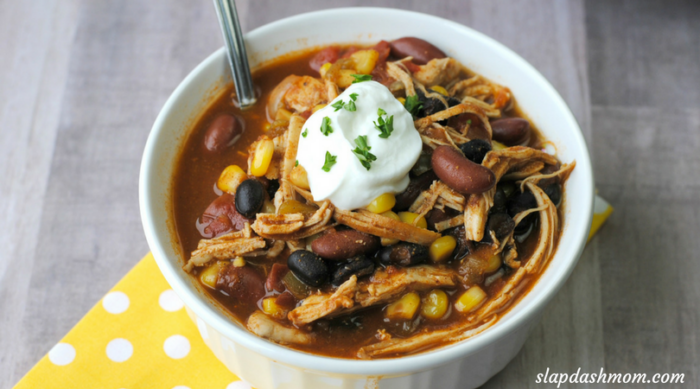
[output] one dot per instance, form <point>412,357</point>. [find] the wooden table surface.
<point>82,82</point>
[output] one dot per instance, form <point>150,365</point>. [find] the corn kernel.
<point>383,203</point>
<point>470,299</point>
<point>230,178</point>
<point>299,178</point>
<point>388,241</point>
<point>404,308</point>
<point>493,264</point>
<point>267,127</point>
<point>268,207</point>
<point>324,69</point>
<point>317,107</point>
<point>210,275</point>
<point>239,262</point>
<point>442,248</point>
<point>434,304</point>
<point>498,145</point>
<point>410,217</point>
<point>283,115</point>
<point>262,158</point>
<point>294,206</point>
<point>270,307</point>
<point>401,100</point>
<point>440,90</point>
<point>345,78</point>
<point>365,60</point>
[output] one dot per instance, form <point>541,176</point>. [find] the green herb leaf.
<point>361,78</point>
<point>330,161</point>
<point>353,96</point>
<point>305,133</point>
<point>296,163</point>
<point>469,121</point>
<point>386,127</point>
<point>326,126</point>
<point>413,105</point>
<point>381,112</point>
<point>350,106</point>
<point>362,152</point>
<point>337,105</point>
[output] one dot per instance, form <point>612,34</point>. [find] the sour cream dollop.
<point>348,184</point>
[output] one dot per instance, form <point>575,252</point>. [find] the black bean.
<point>519,203</point>
<point>499,201</point>
<point>358,265</point>
<point>553,191</point>
<point>475,150</point>
<point>415,187</point>
<point>403,254</point>
<point>308,267</point>
<point>501,224</point>
<point>250,197</point>
<point>451,101</point>
<point>520,234</point>
<point>430,106</point>
<point>463,245</point>
<point>272,188</point>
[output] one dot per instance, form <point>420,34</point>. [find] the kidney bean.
<point>223,132</point>
<point>404,254</point>
<point>274,279</point>
<point>243,284</point>
<point>421,51</point>
<point>286,300</point>
<point>415,187</point>
<point>250,197</point>
<point>459,173</point>
<point>308,267</point>
<point>511,131</point>
<point>358,265</point>
<point>475,150</point>
<point>221,217</point>
<point>341,245</point>
<point>327,55</point>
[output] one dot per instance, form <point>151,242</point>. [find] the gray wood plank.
<point>36,38</point>
<point>644,52</point>
<point>649,168</point>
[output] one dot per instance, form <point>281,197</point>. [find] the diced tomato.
<point>329,54</point>
<point>383,49</point>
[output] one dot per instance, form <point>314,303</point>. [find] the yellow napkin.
<point>139,336</point>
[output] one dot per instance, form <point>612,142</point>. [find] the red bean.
<point>421,51</point>
<point>274,279</point>
<point>341,245</point>
<point>243,284</point>
<point>223,132</point>
<point>221,217</point>
<point>459,173</point>
<point>511,131</point>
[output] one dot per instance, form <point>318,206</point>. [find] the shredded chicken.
<point>262,325</point>
<point>500,162</point>
<point>384,286</point>
<point>464,107</point>
<point>223,250</point>
<point>286,191</point>
<point>478,88</point>
<point>563,174</point>
<point>400,73</point>
<point>306,93</point>
<point>439,71</point>
<point>293,226</point>
<point>384,227</point>
<point>429,198</point>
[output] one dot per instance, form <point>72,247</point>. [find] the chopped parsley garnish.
<point>361,78</point>
<point>469,121</point>
<point>296,163</point>
<point>326,126</point>
<point>386,127</point>
<point>362,152</point>
<point>349,106</point>
<point>305,133</point>
<point>413,104</point>
<point>330,161</point>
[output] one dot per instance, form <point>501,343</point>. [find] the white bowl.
<point>468,363</point>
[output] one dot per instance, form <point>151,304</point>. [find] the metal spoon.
<point>237,57</point>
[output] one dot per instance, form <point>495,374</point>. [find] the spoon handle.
<point>237,56</point>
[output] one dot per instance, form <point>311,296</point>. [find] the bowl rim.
<point>391,366</point>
